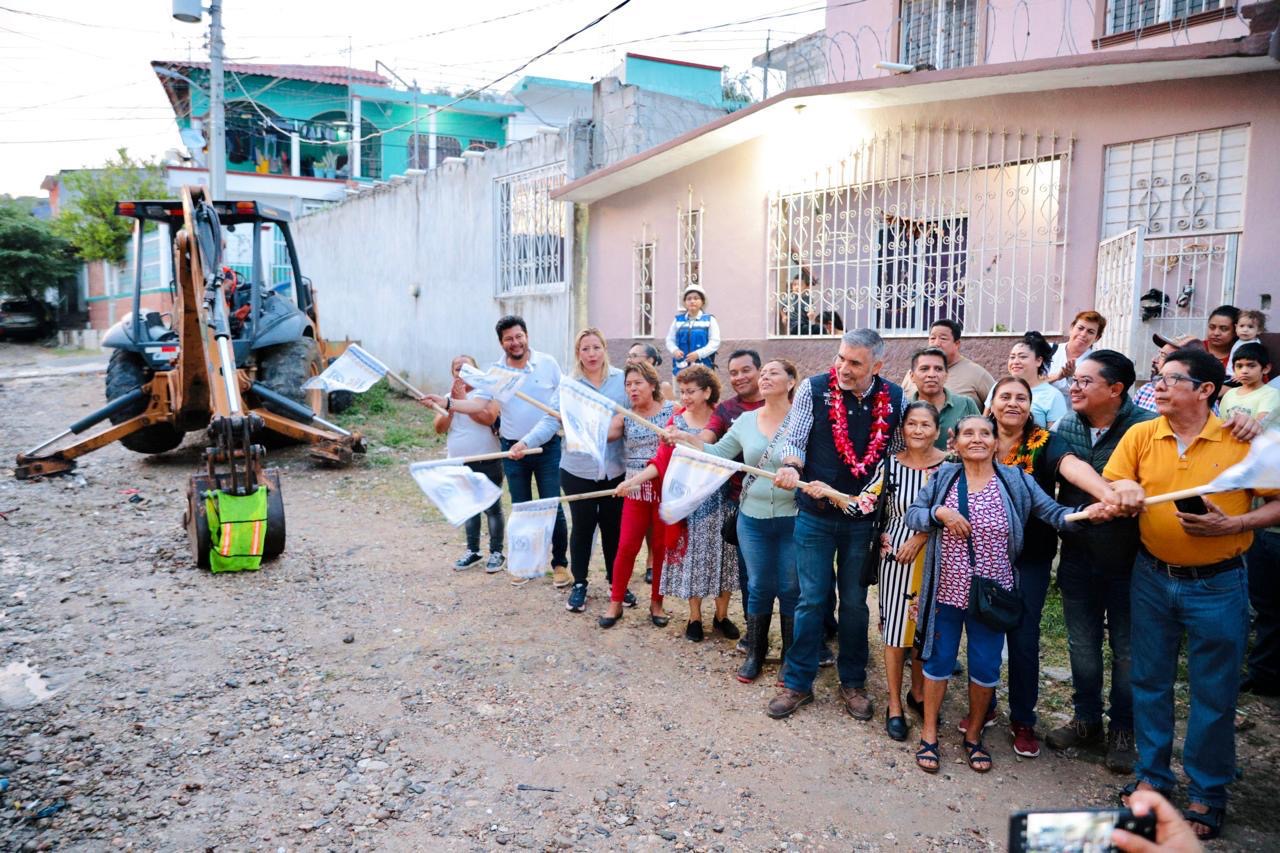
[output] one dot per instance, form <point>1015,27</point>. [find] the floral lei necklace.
<point>881,408</point>
<point>1023,455</point>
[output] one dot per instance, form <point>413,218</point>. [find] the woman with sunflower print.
<point>1021,442</point>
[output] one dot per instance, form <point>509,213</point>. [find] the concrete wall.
<point>408,268</point>
<point>862,34</point>
<point>629,119</point>
<point>734,188</point>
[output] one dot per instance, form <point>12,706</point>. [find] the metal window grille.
<point>689,256</point>
<point>447,146</point>
<point>942,33</point>
<point>642,257</point>
<point>530,229</point>
<point>1126,15</point>
<point>1184,195</point>
<point>919,223</point>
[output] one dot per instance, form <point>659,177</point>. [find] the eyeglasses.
<point>1081,382</point>
<point>1168,380</point>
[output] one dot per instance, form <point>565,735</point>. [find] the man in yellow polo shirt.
<point>1189,578</point>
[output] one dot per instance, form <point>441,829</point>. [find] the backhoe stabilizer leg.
<point>31,466</point>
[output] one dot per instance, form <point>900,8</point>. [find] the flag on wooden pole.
<point>690,479</point>
<point>499,383</point>
<point>529,531</point>
<point>355,370</point>
<point>457,491</point>
<point>586,416</point>
<point>1259,470</point>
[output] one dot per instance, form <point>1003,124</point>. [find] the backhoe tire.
<point>283,368</point>
<point>340,401</point>
<point>125,372</point>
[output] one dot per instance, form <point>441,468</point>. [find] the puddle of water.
<point>22,686</point>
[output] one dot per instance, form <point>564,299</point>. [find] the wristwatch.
<point>448,404</point>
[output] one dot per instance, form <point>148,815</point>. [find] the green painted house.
<point>299,121</point>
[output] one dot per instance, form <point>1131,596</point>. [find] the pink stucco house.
<point>1037,160</point>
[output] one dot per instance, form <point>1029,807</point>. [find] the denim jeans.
<point>1024,641</point>
<point>984,646</point>
<point>769,547</point>
<point>543,467</point>
<point>1214,614</point>
<point>820,540</point>
<point>1094,599</point>
<point>1264,595</point>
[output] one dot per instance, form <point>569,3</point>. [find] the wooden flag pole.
<point>1193,492</point>
<point>539,405</point>
<point>416,394</point>
<point>586,496</point>
<point>483,457</point>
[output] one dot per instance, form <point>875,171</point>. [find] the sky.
<point>76,83</point>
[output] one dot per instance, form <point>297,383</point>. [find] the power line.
<point>355,139</point>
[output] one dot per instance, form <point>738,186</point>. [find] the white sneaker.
<point>495,564</point>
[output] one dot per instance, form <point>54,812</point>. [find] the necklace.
<point>881,408</point>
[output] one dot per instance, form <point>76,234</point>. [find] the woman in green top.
<point>766,515</point>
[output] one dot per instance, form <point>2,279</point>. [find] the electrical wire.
<point>359,139</point>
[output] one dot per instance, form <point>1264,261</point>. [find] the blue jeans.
<point>545,469</point>
<point>820,540</point>
<point>1094,600</point>
<point>1214,615</point>
<point>984,647</point>
<point>1024,642</point>
<point>1264,595</point>
<point>770,553</point>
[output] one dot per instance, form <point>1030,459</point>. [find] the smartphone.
<point>1193,505</point>
<point>1074,830</point>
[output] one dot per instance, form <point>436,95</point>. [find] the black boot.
<point>757,646</point>
<point>788,625</point>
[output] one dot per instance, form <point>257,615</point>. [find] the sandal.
<point>1132,788</point>
<point>928,752</point>
<point>1214,819</point>
<point>979,758</point>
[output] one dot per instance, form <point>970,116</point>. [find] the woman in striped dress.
<point>902,557</point>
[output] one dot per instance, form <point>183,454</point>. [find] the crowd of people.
<point>954,493</point>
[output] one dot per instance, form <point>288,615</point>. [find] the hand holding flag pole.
<point>1259,470</point>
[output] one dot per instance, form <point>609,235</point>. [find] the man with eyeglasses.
<point>1096,564</point>
<point>1189,579</point>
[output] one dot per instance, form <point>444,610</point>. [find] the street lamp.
<point>191,12</point>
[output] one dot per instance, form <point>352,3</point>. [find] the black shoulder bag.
<point>991,604</point>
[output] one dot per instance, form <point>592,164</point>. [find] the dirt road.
<point>358,693</point>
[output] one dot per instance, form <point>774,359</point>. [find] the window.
<point>919,223</point>
<point>1126,15</point>
<point>481,145</point>
<point>370,151</point>
<point>447,146</point>
<point>689,259</point>
<point>942,33</point>
<point>530,229</point>
<point>642,254</point>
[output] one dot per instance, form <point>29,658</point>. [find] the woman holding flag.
<point>698,563</point>
<point>766,516</point>
<point>581,473</point>
<point>640,521</point>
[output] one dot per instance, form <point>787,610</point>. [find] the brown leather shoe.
<point>787,702</point>
<point>856,702</point>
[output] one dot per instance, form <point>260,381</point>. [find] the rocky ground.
<point>358,693</point>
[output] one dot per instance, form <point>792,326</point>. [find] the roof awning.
<point>1111,68</point>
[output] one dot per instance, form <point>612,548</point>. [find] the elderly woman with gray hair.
<point>975,512</point>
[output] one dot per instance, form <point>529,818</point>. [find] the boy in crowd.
<point>1250,366</point>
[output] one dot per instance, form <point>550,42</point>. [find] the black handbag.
<point>729,529</point>
<point>991,604</point>
<point>871,564</point>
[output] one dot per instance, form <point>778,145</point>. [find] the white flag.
<point>354,370</point>
<point>1259,470</point>
<point>500,383</point>
<point>691,478</point>
<point>529,532</point>
<point>457,491</point>
<point>586,416</point>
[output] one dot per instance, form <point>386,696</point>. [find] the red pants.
<point>640,523</point>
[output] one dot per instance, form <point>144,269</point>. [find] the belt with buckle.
<point>1185,573</point>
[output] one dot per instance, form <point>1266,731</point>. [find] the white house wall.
<point>408,268</point>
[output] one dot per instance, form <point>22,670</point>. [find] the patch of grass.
<point>401,435</point>
<point>389,419</point>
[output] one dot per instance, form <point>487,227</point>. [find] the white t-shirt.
<point>1059,359</point>
<point>467,437</point>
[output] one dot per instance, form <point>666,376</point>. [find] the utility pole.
<point>217,112</point>
<point>417,133</point>
<point>768,34</point>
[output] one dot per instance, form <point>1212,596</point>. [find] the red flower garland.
<point>880,410</point>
